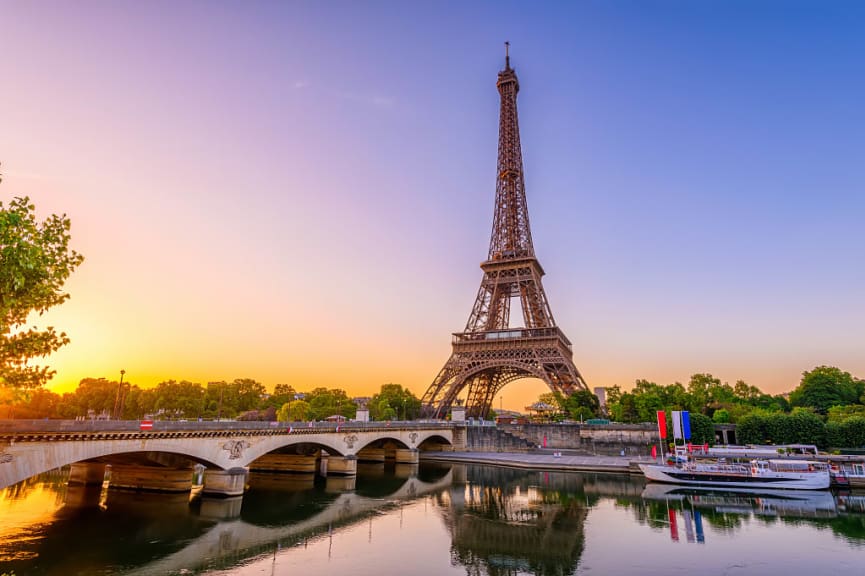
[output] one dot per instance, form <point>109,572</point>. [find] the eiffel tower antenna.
<point>490,353</point>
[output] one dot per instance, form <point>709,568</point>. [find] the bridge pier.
<point>459,439</point>
<point>82,496</point>
<point>406,455</point>
<point>338,465</point>
<point>224,483</point>
<point>150,478</point>
<point>284,463</point>
<point>338,484</point>
<point>405,470</point>
<point>220,508</point>
<point>371,455</point>
<point>87,473</point>
<point>280,481</point>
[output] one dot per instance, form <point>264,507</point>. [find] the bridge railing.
<point>40,426</point>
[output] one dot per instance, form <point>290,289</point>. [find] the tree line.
<point>242,399</point>
<point>827,408</point>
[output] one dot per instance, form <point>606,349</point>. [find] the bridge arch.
<point>39,446</point>
<point>274,444</point>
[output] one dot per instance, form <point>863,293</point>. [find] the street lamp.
<point>122,394</point>
<point>118,410</point>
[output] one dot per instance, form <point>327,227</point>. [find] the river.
<point>433,519</point>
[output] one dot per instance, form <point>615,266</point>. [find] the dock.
<point>544,460</point>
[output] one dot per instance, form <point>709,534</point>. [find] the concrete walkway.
<point>544,460</point>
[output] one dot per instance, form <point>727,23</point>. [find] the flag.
<point>689,527</point>
<point>674,528</point>
<point>698,522</point>
<point>686,425</point>
<point>677,424</point>
<point>662,424</point>
<point>654,451</point>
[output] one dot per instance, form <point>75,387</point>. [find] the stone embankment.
<point>543,460</point>
<point>632,440</point>
<point>567,447</point>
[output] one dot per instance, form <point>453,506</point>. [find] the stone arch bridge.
<point>161,458</point>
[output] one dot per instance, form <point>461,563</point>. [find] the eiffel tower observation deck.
<point>490,353</point>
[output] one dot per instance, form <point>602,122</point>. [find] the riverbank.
<point>543,460</point>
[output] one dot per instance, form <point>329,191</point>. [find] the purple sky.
<point>302,192</point>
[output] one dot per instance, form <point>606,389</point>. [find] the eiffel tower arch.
<point>489,353</point>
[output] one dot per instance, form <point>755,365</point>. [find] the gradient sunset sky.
<point>301,192</point>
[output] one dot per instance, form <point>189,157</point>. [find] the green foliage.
<point>175,400</point>
<point>394,402</point>
<point>704,394</point>
<point>721,416</point>
<point>702,429</point>
<point>282,394</point>
<point>701,389</point>
<point>580,405</point>
<point>35,261</point>
<point>294,411</point>
<point>824,387</point>
<point>93,398</point>
<point>849,433</point>
<point>841,413</point>
<point>800,427</point>
<point>324,402</point>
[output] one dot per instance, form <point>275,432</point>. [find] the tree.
<point>282,394</point>
<point>800,427</point>
<point>849,433</point>
<point>841,413</point>
<point>178,399</point>
<point>581,405</point>
<point>94,398</point>
<point>392,401</point>
<point>700,388</point>
<point>35,261</point>
<point>702,429</point>
<point>324,402</point>
<point>721,416</point>
<point>296,411</point>
<point>824,387</point>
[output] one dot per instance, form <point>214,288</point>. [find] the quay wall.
<point>607,439</point>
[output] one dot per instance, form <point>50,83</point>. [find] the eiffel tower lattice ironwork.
<point>489,353</point>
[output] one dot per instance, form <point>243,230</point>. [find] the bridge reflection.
<point>499,521</point>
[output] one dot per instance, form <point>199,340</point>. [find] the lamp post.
<point>118,396</point>
<point>122,395</point>
<point>219,410</point>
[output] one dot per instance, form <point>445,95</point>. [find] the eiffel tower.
<point>489,354</point>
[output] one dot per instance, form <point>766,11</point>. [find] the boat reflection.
<point>687,506</point>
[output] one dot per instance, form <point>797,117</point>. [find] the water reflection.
<point>464,519</point>
<point>502,522</point>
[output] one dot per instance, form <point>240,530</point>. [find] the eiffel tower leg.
<point>478,388</point>
<point>443,392</point>
<point>483,388</point>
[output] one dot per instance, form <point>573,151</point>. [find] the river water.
<point>435,519</point>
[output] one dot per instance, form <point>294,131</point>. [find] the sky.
<point>302,192</point>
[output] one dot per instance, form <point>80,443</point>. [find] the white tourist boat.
<point>759,501</point>
<point>785,474</point>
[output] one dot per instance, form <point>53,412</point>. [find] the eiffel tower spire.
<point>489,353</point>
